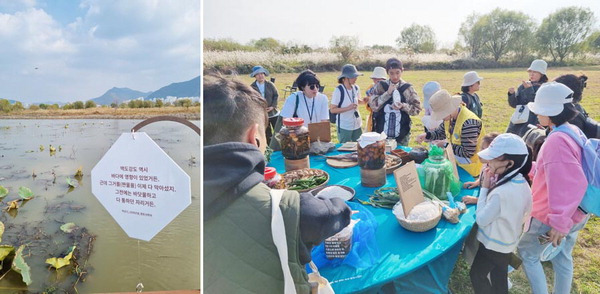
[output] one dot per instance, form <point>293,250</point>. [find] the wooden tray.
<point>348,146</point>
<point>341,163</point>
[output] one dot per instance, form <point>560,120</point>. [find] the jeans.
<point>530,249</point>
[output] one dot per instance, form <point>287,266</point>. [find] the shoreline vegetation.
<point>189,113</point>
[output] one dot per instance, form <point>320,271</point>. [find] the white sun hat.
<point>550,99</point>
<point>539,66</point>
<point>470,78</point>
<point>379,73</point>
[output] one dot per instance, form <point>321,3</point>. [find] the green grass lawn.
<point>496,115</point>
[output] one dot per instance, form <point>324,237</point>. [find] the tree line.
<point>499,34</point>
<point>6,106</point>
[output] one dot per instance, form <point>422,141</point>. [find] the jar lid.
<point>370,138</point>
<point>293,121</point>
<point>270,172</point>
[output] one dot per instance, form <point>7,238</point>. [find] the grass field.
<point>496,114</point>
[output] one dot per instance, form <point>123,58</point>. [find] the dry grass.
<point>496,114</point>
<point>191,113</point>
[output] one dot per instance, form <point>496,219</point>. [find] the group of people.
<point>523,199</point>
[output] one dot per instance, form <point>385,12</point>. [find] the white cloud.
<point>138,44</point>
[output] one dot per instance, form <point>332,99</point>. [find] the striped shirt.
<point>468,142</point>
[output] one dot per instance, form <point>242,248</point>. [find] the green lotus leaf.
<point>25,193</point>
<point>1,230</point>
<point>3,192</point>
<point>20,266</point>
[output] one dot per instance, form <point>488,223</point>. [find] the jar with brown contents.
<point>294,140</point>
<point>372,156</point>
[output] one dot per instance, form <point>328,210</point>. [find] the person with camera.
<point>518,99</point>
<point>344,105</point>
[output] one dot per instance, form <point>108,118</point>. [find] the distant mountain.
<point>189,88</point>
<point>118,95</point>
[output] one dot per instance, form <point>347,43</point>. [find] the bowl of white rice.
<point>422,217</point>
<point>334,191</point>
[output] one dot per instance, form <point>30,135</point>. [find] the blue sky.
<point>67,50</point>
<point>314,22</point>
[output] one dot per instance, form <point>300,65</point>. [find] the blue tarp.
<point>409,262</point>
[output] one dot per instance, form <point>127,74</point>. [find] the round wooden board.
<point>341,163</point>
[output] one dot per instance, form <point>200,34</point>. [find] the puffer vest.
<point>239,253</point>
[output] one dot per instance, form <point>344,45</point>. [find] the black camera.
<point>356,114</point>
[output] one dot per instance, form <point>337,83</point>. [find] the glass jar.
<point>294,140</point>
<point>439,176</point>
<point>371,156</point>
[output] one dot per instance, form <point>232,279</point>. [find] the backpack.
<point>379,116</point>
<point>590,161</point>
<point>333,118</point>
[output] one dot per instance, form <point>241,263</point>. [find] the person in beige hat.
<point>470,85</point>
<point>377,76</point>
<point>344,105</point>
<point>461,127</point>
<point>524,94</point>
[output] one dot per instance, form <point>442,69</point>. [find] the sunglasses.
<point>314,86</point>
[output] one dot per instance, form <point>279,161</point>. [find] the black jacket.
<point>232,169</point>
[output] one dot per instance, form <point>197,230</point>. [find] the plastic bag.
<point>319,148</point>
<point>364,252</point>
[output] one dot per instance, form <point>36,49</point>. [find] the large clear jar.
<point>438,174</point>
<point>372,156</point>
<point>293,139</point>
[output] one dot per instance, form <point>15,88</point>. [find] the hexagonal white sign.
<point>141,187</point>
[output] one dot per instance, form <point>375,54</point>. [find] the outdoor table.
<point>410,262</point>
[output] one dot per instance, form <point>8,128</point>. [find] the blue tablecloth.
<point>410,262</point>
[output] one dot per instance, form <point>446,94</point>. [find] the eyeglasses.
<point>314,86</point>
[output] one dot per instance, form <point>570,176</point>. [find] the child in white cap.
<point>501,211</point>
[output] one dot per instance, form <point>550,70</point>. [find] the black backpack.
<point>379,116</point>
<point>333,118</point>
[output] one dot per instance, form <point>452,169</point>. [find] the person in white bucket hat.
<point>344,105</point>
<point>518,99</point>
<point>559,184</point>
<point>379,74</point>
<point>470,85</point>
<point>461,127</point>
<point>269,92</point>
<point>501,209</point>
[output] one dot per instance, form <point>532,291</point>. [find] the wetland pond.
<point>43,155</point>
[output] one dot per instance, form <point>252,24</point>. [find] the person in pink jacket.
<point>557,188</point>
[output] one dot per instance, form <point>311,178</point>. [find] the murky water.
<point>171,260</point>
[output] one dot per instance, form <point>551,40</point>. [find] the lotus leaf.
<point>20,266</point>
<point>5,250</point>
<point>58,262</point>
<point>12,204</point>
<point>68,227</point>
<point>3,192</point>
<point>72,183</point>
<point>1,230</point>
<point>25,193</point>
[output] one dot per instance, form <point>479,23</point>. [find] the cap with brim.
<point>259,69</point>
<point>550,99</point>
<point>443,104</point>
<point>349,71</point>
<point>506,143</point>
